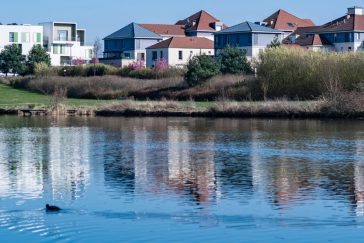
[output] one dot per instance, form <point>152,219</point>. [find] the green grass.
<point>15,98</point>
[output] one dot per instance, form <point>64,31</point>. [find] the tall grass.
<point>297,73</point>
<point>105,87</point>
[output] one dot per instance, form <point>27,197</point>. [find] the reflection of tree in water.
<point>235,172</point>
<point>118,156</point>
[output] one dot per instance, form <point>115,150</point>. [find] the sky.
<point>103,17</point>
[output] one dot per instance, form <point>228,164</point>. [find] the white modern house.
<point>25,36</point>
<point>177,51</point>
<point>65,43</point>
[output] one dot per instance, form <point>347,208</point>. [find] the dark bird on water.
<point>52,208</point>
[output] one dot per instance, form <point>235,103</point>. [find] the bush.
<point>200,68</point>
<point>146,73</point>
<point>42,69</point>
<point>233,61</point>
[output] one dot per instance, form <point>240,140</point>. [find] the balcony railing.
<point>57,38</point>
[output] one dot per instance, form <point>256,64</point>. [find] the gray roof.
<point>133,30</point>
<point>248,27</point>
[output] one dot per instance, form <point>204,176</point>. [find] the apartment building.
<point>65,43</point>
<point>25,36</point>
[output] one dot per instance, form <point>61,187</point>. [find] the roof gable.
<point>282,20</point>
<point>247,27</point>
<point>133,30</point>
<point>200,21</point>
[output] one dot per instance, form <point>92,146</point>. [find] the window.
<point>358,36</point>
<point>180,55</point>
<point>13,37</point>
<point>62,35</point>
<point>154,55</point>
<point>349,48</point>
<point>25,37</point>
<point>137,44</point>
<point>90,53</point>
<point>55,49</point>
<point>127,55</point>
<point>37,37</point>
<point>63,49</point>
<point>161,54</point>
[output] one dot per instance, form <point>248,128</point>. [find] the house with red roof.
<point>286,22</point>
<point>342,34</point>
<point>177,51</point>
<point>131,42</point>
<point>202,24</point>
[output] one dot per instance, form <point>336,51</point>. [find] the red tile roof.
<point>345,23</point>
<point>282,20</point>
<point>165,29</point>
<point>312,40</point>
<point>185,42</point>
<point>200,21</point>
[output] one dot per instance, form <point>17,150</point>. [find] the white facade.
<point>177,57</point>
<point>26,36</point>
<point>65,43</point>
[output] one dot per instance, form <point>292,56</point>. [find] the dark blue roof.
<point>248,27</point>
<point>133,30</point>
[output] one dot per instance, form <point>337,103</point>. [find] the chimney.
<point>355,11</point>
<point>218,26</point>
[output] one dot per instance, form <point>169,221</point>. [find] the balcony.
<point>62,39</point>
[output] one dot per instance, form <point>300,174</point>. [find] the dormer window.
<point>293,25</point>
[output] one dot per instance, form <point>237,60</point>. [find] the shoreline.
<point>202,114</point>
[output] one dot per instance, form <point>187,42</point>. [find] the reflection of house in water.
<point>359,178</point>
<point>140,159</point>
<point>190,169</point>
<point>260,175</point>
<point>69,162</point>
<point>20,165</point>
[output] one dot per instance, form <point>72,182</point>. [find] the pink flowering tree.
<point>161,64</point>
<point>78,61</point>
<point>95,60</point>
<point>137,65</point>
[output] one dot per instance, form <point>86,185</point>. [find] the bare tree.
<point>96,50</point>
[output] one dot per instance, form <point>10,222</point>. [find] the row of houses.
<point>64,41</point>
<point>202,33</point>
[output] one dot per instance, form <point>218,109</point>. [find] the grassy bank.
<point>13,99</point>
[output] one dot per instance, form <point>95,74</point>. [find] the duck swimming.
<point>52,208</point>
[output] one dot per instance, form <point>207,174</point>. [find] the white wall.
<point>172,55</point>
<point>31,40</point>
<point>73,49</point>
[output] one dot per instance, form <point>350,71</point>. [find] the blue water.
<point>181,180</point>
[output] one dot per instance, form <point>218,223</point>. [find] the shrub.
<point>233,60</point>
<point>71,71</point>
<point>146,73</point>
<point>42,69</point>
<point>200,68</point>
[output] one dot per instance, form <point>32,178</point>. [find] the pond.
<point>180,179</point>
